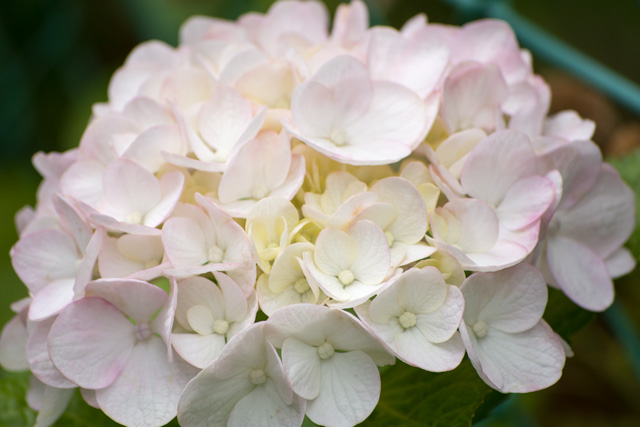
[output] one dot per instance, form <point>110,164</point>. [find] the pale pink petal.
<point>496,163</point>
<point>350,22</point>
<point>416,64</point>
<point>83,181</point>
<point>189,163</point>
<point>294,179</point>
<point>525,202</point>
<point>13,341</point>
<point>395,117</point>
<point>146,393</point>
<point>604,218</point>
<point>491,41</point>
<point>88,263</point>
<point>171,184</point>
<point>38,356</point>
<point>90,342</point>
<point>620,263</point>
<point>579,164</point>
<point>148,148</point>
<point>130,188</point>
<point>51,299</point>
<point>135,298</point>
<point>580,272</point>
<point>54,404</point>
<point>89,396</point>
<point>76,224</point>
<point>35,394</point>
<point>411,222</point>
<point>162,324</point>
<point>472,97</point>
<point>308,20</point>
<point>511,300</point>
<point>570,126</point>
<point>44,256</point>
<point>223,119</point>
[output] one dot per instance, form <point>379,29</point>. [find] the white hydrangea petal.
<point>198,350</point>
<point>335,251</point>
<point>527,361</point>
<point>328,283</point>
<point>263,407</point>
<point>512,300</point>
<point>184,242</point>
<point>286,269</point>
<point>195,291</point>
<point>235,302</point>
<point>486,368</point>
<point>350,390</point>
<point>415,349</point>
<point>438,326</point>
<point>373,260</point>
<point>411,223</point>
<point>209,400</point>
<point>302,367</point>
<point>422,290</point>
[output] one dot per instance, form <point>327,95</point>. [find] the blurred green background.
<point>56,58</point>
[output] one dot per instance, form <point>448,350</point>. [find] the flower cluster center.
<point>325,351</point>
<point>407,320</point>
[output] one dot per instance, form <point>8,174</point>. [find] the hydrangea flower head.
<point>261,217</point>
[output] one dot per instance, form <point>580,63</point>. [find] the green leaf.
<point>14,411</point>
<point>629,168</point>
<point>564,316</point>
<point>413,397</point>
